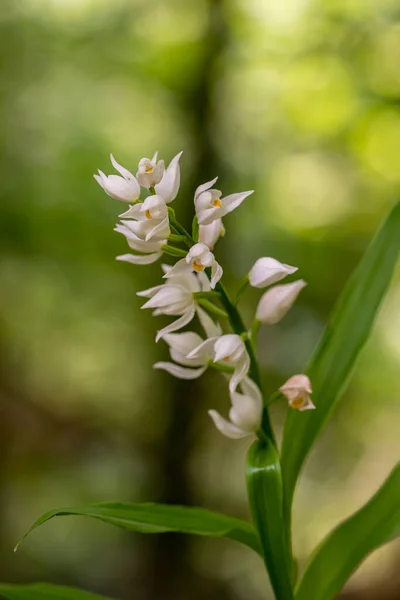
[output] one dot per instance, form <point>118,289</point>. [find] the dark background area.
<point>297,99</point>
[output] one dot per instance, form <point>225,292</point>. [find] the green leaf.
<point>161,518</point>
<point>340,553</point>
<point>344,338</point>
<point>264,484</point>
<point>45,591</point>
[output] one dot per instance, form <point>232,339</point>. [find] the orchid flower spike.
<point>181,344</point>
<point>209,234</point>
<point>175,298</point>
<point>125,188</point>
<point>267,271</point>
<point>297,390</point>
<point>231,349</point>
<point>198,258</point>
<point>245,413</point>
<point>150,171</point>
<point>210,206</point>
<point>168,187</point>
<point>277,301</point>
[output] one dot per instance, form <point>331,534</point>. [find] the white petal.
<point>250,388</point>
<point>277,301</point>
<point>246,412</point>
<point>216,274</point>
<point>166,296</point>
<point>99,180</point>
<point>136,259</point>
<point>232,201</point>
<point>241,370</point>
<point>225,427</point>
<point>211,329</point>
<point>204,187</point>
<point>207,216</point>
<point>150,292</point>
<point>132,213</point>
<point>180,372</point>
<point>204,282</point>
<point>177,324</point>
<point>227,345</point>
<point>169,185</point>
<point>124,172</point>
<point>267,271</point>
<point>183,342</point>
<point>179,268</point>
<point>209,234</point>
<point>297,382</point>
<point>204,349</point>
<point>161,230</point>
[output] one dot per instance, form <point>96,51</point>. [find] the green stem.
<point>210,307</point>
<point>221,367</point>
<point>172,251</point>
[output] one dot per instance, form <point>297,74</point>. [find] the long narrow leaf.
<point>161,518</point>
<point>340,346</point>
<point>264,485</point>
<point>45,591</point>
<point>376,523</point>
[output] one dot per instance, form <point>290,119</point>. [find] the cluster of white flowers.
<point>148,227</point>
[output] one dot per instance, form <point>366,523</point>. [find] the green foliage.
<point>161,518</point>
<point>264,484</point>
<point>45,591</point>
<point>340,553</point>
<point>340,346</point>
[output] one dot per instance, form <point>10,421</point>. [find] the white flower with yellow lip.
<point>168,187</point>
<point>125,188</point>
<point>297,390</point>
<point>198,258</point>
<point>146,229</point>
<point>181,344</point>
<point>277,301</point>
<point>232,351</point>
<point>175,298</point>
<point>245,413</point>
<point>210,205</point>
<point>150,171</point>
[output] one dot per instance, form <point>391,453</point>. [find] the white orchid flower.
<point>267,271</point>
<point>152,218</point>
<point>175,298</point>
<point>150,171</point>
<point>198,258</point>
<point>125,188</point>
<point>181,344</point>
<point>209,204</point>
<point>209,234</point>
<point>277,301</point>
<point>231,349</point>
<point>146,231</point>
<point>168,187</point>
<point>245,414</point>
<point>297,390</point>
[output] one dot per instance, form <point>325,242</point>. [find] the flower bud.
<point>277,301</point>
<point>297,390</point>
<point>267,271</point>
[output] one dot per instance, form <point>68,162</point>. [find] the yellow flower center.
<point>227,358</point>
<point>149,169</point>
<point>197,266</point>
<point>298,402</point>
<point>148,214</point>
<point>217,202</point>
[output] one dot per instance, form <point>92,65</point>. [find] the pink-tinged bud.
<point>297,390</point>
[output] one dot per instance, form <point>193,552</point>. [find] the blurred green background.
<point>298,99</point>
